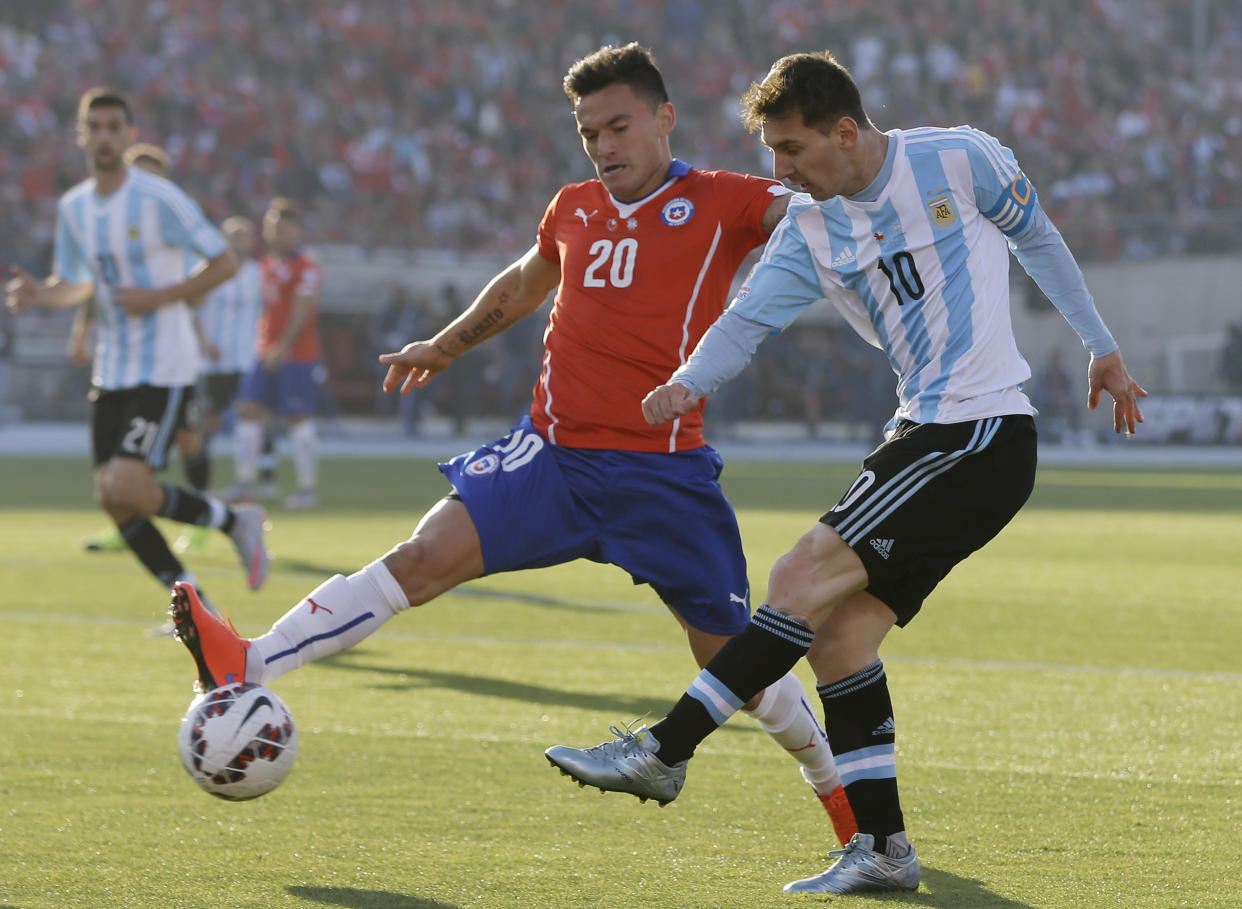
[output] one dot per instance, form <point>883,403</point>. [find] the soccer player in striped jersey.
<point>227,320</point>
<point>908,233</point>
<point>188,439</point>
<point>641,261</point>
<point>121,237</point>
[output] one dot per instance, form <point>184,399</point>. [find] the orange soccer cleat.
<point>217,648</point>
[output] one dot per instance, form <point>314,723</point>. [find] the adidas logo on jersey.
<point>888,727</point>
<point>883,547</point>
<point>845,257</point>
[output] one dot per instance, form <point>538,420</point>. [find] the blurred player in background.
<point>908,234</point>
<point>189,440</point>
<point>282,382</point>
<point>641,260</point>
<point>121,239</point>
<point>227,321</point>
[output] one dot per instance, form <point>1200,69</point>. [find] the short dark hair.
<point>632,65</point>
<point>814,85</point>
<point>101,96</point>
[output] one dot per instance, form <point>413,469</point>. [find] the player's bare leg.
<point>443,551</point>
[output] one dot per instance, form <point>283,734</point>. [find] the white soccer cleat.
<point>249,525</point>
<point>622,765</point>
<point>860,869</point>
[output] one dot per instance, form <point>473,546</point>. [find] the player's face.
<point>812,161</point>
<point>626,140</point>
<point>281,233</point>
<point>104,134</point>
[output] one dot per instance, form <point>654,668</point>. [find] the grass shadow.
<point>365,899</point>
<point>944,890</point>
<point>626,707</point>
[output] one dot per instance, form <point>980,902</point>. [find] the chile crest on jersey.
<point>677,212</point>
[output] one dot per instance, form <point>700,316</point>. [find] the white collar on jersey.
<point>676,171</point>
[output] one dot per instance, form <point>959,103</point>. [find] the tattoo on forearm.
<point>482,329</point>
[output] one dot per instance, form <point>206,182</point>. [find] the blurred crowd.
<point>428,124</point>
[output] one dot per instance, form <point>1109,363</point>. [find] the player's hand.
<point>668,402</point>
<point>1109,374</point>
<point>138,301</point>
<point>21,291</point>
<point>78,350</point>
<point>416,365</point>
<point>275,355</point>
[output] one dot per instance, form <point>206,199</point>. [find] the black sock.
<point>766,649</point>
<point>190,507</point>
<point>152,549</point>
<point>198,469</point>
<point>858,717</point>
<point>267,460</point>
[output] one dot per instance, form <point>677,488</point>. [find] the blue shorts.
<point>661,517</point>
<point>290,389</point>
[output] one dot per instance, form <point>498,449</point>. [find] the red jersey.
<point>282,280</point>
<point>640,284</point>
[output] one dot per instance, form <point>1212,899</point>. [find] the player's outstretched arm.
<point>23,291</point>
<point>514,293</point>
<point>1108,373</point>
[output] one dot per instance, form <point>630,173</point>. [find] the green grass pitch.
<point>1069,707</point>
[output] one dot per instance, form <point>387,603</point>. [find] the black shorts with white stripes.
<point>931,495</point>
<point>139,422</point>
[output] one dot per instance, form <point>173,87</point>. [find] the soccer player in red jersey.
<point>641,260</point>
<point>283,380</point>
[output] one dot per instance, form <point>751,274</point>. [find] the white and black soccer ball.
<point>238,741</point>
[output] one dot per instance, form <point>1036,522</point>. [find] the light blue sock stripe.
<point>716,698</point>
<point>878,772</point>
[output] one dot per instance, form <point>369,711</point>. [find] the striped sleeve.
<point>183,224</point>
<point>1003,193</point>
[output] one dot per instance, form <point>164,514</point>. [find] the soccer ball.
<point>238,741</point>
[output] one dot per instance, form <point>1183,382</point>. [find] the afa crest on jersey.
<point>677,212</point>
<point>943,212</point>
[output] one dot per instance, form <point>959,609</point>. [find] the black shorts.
<point>138,422</point>
<point>220,390</point>
<point>930,496</point>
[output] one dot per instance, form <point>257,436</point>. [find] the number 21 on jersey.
<point>611,263</point>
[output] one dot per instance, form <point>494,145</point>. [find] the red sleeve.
<point>547,228</point>
<point>747,200</point>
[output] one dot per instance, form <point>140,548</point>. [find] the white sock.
<point>247,443</point>
<point>305,443</point>
<point>784,714</point>
<point>333,617</point>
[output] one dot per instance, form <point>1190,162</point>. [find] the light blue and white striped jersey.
<point>139,236</point>
<point>920,269</point>
<point>229,317</point>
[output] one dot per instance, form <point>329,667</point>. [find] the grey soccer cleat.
<point>622,765</point>
<point>860,869</point>
<point>249,524</point>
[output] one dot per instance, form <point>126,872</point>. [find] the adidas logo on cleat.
<point>883,547</point>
